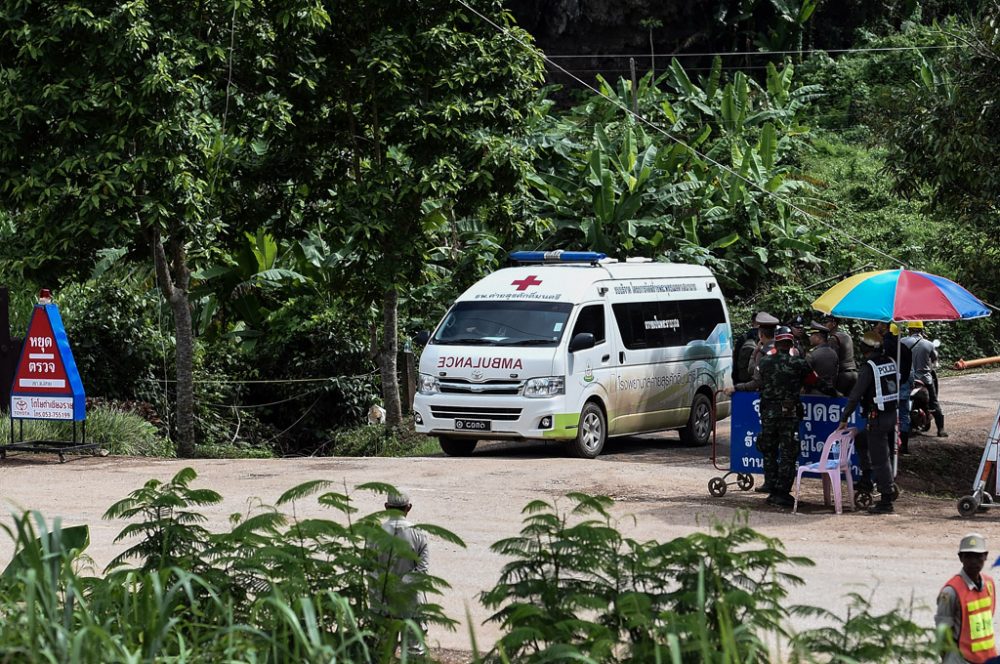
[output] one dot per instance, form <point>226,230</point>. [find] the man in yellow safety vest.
<point>966,604</point>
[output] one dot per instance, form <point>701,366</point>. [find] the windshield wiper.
<point>528,342</point>
<point>470,341</point>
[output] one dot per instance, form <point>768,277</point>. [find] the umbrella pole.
<point>899,388</point>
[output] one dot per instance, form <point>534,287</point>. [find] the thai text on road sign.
<point>821,417</point>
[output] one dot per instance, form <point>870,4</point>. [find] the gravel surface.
<point>896,559</point>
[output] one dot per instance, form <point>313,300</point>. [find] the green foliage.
<point>278,588</point>
<point>116,428</point>
<point>947,144</point>
<point>115,342</point>
<point>377,440</point>
<point>304,341</point>
<point>577,586</point>
<point>611,184</point>
<point>273,587</point>
<point>862,89</point>
<point>863,635</point>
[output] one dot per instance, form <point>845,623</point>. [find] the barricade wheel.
<point>895,491</point>
<point>967,506</point>
<point>863,500</point>
<point>744,481</point>
<point>985,502</point>
<point>717,487</point>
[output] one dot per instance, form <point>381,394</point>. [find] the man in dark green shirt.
<point>781,377</point>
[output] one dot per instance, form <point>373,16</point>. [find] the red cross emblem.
<point>523,284</point>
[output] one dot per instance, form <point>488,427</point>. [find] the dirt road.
<point>664,485</point>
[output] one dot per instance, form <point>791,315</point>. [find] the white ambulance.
<point>574,347</point>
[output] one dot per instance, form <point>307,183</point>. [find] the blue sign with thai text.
<point>822,415</point>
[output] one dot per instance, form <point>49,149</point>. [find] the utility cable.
<point>809,51</point>
<point>680,142</point>
<point>227,381</point>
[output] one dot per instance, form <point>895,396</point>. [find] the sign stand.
<point>47,386</point>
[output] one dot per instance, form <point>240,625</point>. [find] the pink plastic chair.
<point>834,461</point>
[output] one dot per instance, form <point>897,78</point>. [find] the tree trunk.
<point>387,359</point>
<point>174,279</point>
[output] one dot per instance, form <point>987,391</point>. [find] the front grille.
<point>462,386</point>
<point>475,413</point>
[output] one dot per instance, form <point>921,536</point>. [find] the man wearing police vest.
<point>966,605</point>
<point>877,390</point>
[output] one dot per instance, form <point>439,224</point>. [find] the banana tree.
<point>240,292</point>
<point>707,190</point>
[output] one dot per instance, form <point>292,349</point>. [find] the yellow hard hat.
<point>915,325</point>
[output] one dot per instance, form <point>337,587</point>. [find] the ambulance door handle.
<point>621,357</point>
<point>606,358</point>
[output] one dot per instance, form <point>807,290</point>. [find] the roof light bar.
<point>558,256</point>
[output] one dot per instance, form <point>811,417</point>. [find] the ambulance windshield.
<point>503,324</point>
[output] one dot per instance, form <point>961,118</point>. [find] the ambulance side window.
<point>699,318</point>
<point>591,319</point>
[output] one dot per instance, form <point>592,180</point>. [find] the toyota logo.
<point>477,375</point>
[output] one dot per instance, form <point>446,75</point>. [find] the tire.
<point>717,487</point>
<point>744,481</point>
<point>591,434</point>
<point>863,500</point>
<point>457,447</point>
<point>968,506</point>
<point>698,431</point>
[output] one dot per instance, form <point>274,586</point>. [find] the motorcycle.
<point>920,414</point>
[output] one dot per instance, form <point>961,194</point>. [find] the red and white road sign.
<point>41,369</point>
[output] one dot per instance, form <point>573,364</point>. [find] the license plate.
<point>472,425</point>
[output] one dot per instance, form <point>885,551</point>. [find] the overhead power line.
<point>725,54</point>
<point>678,141</point>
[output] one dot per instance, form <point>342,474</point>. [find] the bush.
<point>577,586</point>
<point>119,431</point>
<point>114,338</point>
<point>272,589</point>
<point>302,343</point>
<point>276,589</point>
<point>375,440</point>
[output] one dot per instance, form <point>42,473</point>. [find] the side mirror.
<point>581,341</point>
<point>423,336</point>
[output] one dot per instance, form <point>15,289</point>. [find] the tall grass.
<point>118,431</point>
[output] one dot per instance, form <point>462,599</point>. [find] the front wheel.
<point>457,446</point>
<point>591,434</point>
<point>699,427</point>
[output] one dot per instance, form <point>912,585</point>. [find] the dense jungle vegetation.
<point>246,210</point>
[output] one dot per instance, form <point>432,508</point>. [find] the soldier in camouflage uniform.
<point>781,378</point>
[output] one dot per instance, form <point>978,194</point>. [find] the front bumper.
<point>509,418</point>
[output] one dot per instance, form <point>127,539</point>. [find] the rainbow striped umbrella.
<point>900,295</point>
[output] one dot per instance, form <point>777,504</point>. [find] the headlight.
<point>545,387</point>
<point>429,384</point>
